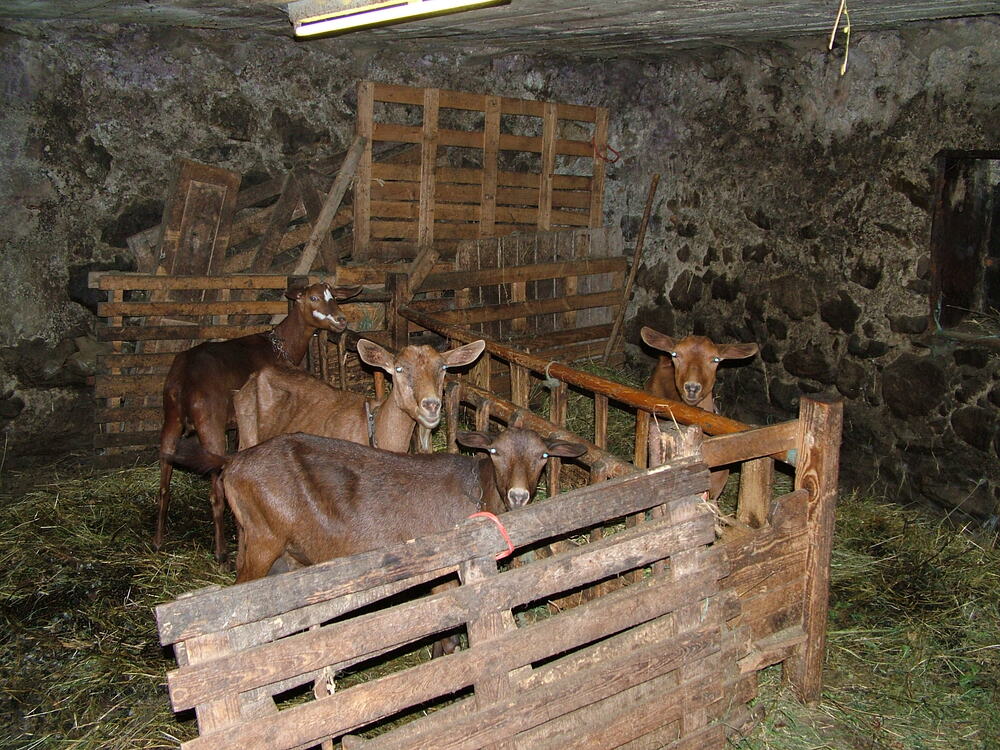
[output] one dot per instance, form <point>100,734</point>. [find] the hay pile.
<point>913,649</point>
<point>81,663</point>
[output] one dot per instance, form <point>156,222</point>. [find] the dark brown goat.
<point>198,392</point>
<point>316,499</point>
<point>686,373</point>
<point>279,400</point>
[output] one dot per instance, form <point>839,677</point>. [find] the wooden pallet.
<point>489,165</point>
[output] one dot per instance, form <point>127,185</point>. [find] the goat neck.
<point>393,426</point>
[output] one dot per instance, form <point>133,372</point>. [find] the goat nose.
<point>518,497</point>
<point>693,389</point>
<point>340,320</point>
<point>431,405</point>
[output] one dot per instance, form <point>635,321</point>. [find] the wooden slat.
<point>597,187</point>
<point>538,307</point>
<point>124,439</point>
<point>151,333</point>
<point>363,181</point>
<point>137,281</point>
<point>534,272</point>
<point>107,386</point>
<point>382,131</point>
<point>194,309</point>
<point>386,171</point>
<point>818,465</point>
<point>121,413</point>
<point>430,135</point>
<point>491,147</point>
<point>548,151</point>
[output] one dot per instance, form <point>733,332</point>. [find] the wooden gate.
<point>644,658</point>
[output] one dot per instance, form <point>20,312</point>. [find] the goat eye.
<point>399,368</point>
<point>672,354</point>
<point>444,367</point>
<point>545,455</point>
<point>716,359</point>
<point>493,450</point>
<point>314,298</point>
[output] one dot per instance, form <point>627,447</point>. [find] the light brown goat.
<point>197,394</point>
<point>686,373</point>
<point>279,400</point>
<point>316,499</point>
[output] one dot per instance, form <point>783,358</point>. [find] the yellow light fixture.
<point>312,17</point>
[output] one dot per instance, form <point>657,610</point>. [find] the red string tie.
<point>503,532</point>
<point>604,156</point>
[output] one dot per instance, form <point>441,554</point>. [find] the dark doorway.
<point>965,238</point>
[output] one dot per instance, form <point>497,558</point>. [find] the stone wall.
<point>793,208</point>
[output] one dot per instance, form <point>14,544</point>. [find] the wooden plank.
<point>137,281</point>
<point>553,340</point>
<point>470,176</point>
<point>281,217</point>
<point>123,439</point>
<point>108,386</point>
<point>772,440</point>
<point>152,333</point>
<point>600,420</point>
<point>491,146</point>
<point>159,361</point>
<point>198,218</point>
<point>818,465</point>
<point>391,132</point>
<point>548,151</point>
<point>756,491</point>
<point>597,185</point>
<point>429,135</point>
<point>522,309</point>
<point>193,309</point>
<point>363,182</point>
<point>585,507</point>
<point>221,713</point>
<point>530,272</point>
<point>122,413</point>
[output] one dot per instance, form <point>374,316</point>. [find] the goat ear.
<point>464,355</point>
<point>482,440</point>
<point>564,448</point>
<point>737,351</point>
<point>657,340</point>
<point>374,355</point>
<point>294,294</point>
<point>346,292</point>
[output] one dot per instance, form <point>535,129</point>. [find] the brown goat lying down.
<point>316,498</point>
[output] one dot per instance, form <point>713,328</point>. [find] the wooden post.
<point>600,421</point>
<point>756,484</point>
<point>641,436</point>
<point>398,287</point>
<point>520,385</point>
<point>452,405</point>
<point>363,186</point>
<point>557,416</point>
<point>818,462</point>
<point>664,445</point>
